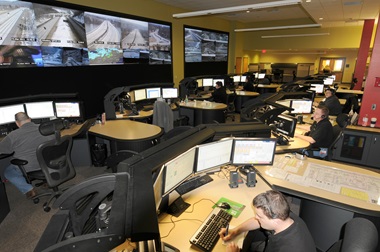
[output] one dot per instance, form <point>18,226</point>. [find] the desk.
<point>271,88</point>
<point>344,93</point>
<point>243,96</point>
<point>126,134</point>
<point>201,200</point>
<point>294,145</point>
<point>203,112</point>
<point>143,115</point>
<point>330,193</point>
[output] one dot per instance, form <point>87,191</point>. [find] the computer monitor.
<point>68,109</point>
<point>152,93</point>
<point>199,83</point>
<point>236,78</point>
<point>328,81</point>
<point>207,82</point>
<point>261,76</point>
<point>285,124</point>
<point>140,94</point>
<point>158,186</point>
<point>178,170</point>
<point>318,88</point>
<point>253,151</point>
<point>243,78</point>
<point>216,80</point>
<point>7,113</point>
<point>38,110</point>
<point>168,93</point>
<point>301,106</point>
<point>212,155</point>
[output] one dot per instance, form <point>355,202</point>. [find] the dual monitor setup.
<point>208,158</point>
<point>153,93</point>
<point>70,110</point>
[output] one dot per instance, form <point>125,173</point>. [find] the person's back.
<point>219,94</point>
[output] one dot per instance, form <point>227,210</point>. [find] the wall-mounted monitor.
<point>318,88</point>
<point>169,93</point>
<point>152,93</point>
<point>139,94</point>
<point>38,110</point>
<point>253,151</point>
<point>216,80</point>
<point>68,109</point>
<point>178,170</point>
<point>7,113</point>
<point>207,82</point>
<point>213,155</point>
<point>301,106</point>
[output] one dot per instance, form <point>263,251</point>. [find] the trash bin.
<point>98,154</point>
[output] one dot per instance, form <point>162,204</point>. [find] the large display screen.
<point>40,35</point>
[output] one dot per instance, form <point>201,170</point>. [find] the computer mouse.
<point>224,205</point>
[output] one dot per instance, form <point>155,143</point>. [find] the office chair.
<point>55,162</point>
<point>163,115</point>
<point>360,235</point>
<point>80,153</point>
<point>230,112</point>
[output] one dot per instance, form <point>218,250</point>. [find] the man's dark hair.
<point>273,203</point>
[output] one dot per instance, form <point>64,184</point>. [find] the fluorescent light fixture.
<point>279,27</point>
<point>295,35</point>
<point>237,8</point>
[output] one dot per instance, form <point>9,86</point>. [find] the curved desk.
<point>264,88</point>
<point>294,145</point>
<point>126,134</point>
<point>203,112</point>
<point>243,96</point>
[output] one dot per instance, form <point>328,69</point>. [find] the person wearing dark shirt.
<point>320,133</point>
<point>249,83</point>
<point>219,94</point>
<point>274,228</point>
<point>332,102</point>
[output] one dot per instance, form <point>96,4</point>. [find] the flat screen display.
<point>37,110</point>
<point>301,106</point>
<point>152,93</point>
<point>318,88</point>
<point>286,125</point>
<point>158,186</point>
<point>213,155</point>
<point>178,170</point>
<point>328,81</point>
<point>139,94</point>
<point>168,93</point>
<point>236,78</point>
<point>243,78</point>
<point>253,151</point>
<point>207,82</point>
<point>7,113</point>
<point>261,76</point>
<point>67,109</point>
<point>216,80</point>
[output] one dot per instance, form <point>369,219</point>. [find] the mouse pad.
<point>236,208</point>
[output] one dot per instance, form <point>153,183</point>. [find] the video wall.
<point>44,35</point>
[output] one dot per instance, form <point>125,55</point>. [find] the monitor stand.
<point>177,207</point>
<point>245,169</point>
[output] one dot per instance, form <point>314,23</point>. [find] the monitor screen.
<point>328,81</point>
<point>199,83</point>
<point>168,93</point>
<point>318,88</point>
<point>178,170</point>
<point>213,155</point>
<point>67,109</point>
<point>215,80</point>
<point>152,93</point>
<point>37,110</point>
<point>253,151</point>
<point>261,75</point>
<point>139,94</point>
<point>158,185</point>
<point>285,124</point>
<point>7,113</point>
<point>243,78</point>
<point>301,106</point>
<point>207,82</point>
<point>236,78</point>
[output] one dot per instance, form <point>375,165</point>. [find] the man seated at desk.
<point>331,101</point>
<point>274,228</point>
<point>320,133</point>
<point>220,93</point>
<point>249,83</point>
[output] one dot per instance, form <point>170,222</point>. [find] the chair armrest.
<point>18,162</point>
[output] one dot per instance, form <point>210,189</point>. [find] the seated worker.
<point>273,228</point>
<point>331,101</point>
<point>23,142</point>
<point>219,94</point>
<point>320,133</point>
<point>249,83</point>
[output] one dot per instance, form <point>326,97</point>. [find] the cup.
<point>373,122</point>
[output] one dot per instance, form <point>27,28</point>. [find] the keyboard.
<point>193,183</point>
<point>207,235</point>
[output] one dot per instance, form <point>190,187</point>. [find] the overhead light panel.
<point>295,35</point>
<point>248,7</point>
<point>279,27</point>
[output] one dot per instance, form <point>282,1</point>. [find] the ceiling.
<point>335,13</point>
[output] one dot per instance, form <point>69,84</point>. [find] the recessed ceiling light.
<point>321,18</point>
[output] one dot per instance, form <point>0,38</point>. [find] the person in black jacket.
<point>332,102</point>
<point>219,94</point>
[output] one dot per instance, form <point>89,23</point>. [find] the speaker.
<point>234,179</point>
<point>251,179</point>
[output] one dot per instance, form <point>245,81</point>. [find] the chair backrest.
<point>82,132</point>
<point>163,115</point>
<point>54,156</point>
<point>231,102</point>
<point>337,134</point>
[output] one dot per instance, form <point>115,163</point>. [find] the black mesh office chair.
<point>54,160</point>
<point>230,112</point>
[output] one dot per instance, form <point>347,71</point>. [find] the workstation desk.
<point>203,112</point>
<point>242,97</point>
<point>267,88</point>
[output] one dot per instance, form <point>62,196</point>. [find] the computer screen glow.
<point>37,110</point>
<point>157,188</point>
<point>179,169</point>
<point>236,78</point>
<point>67,109</point>
<point>215,80</point>
<point>243,78</point>
<point>328,81</point>
<point>168,93</point>
<point>253,151</point>
<point>213,155</point>
<point>301,106</point>
<point>7,113</point>
<point>140,94</point>
<point>152,93</point>
<point>318,88</point>
<point>207,82</point>
<point>261,76</point>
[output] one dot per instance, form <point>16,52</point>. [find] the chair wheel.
<point>36,200</point>
<point>47,208</point>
